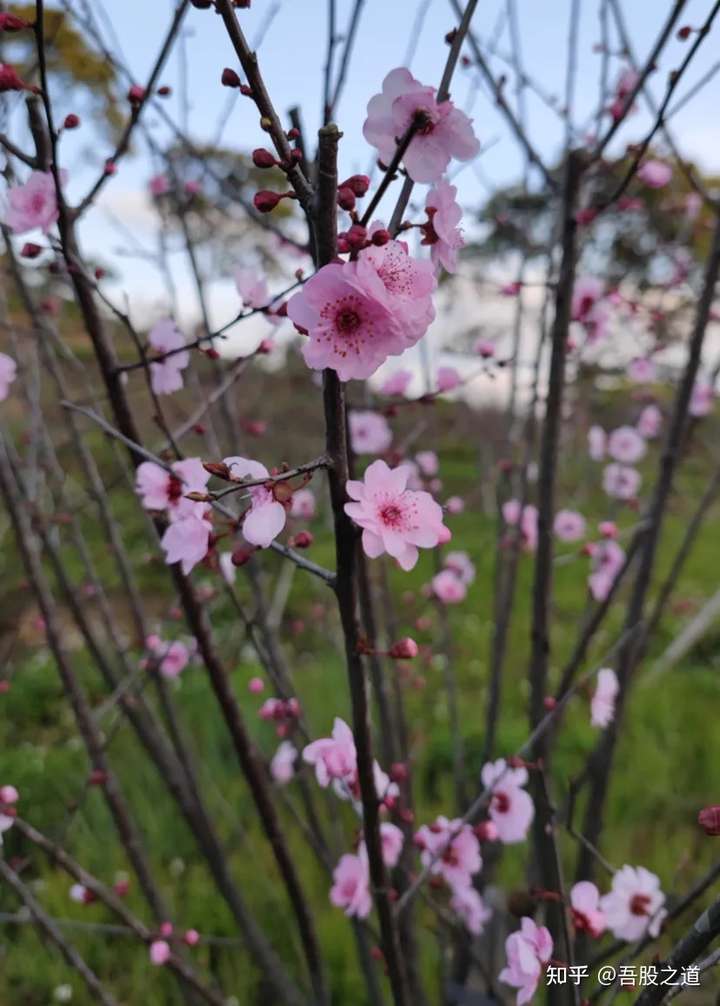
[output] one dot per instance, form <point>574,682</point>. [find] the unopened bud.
<point>72,121</point>
<point>404,649</point>
<point>229,78</point>
<point>262,158</point>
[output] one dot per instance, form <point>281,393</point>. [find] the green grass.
<point>666,762</point>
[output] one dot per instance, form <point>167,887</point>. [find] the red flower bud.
<point>549,702</point>
<point>346,198</point>
<point>709,820</point>
<point>31,250</point>
<point>97,777</point>
<point>586,216</point>
<point>684,32</point>
<point>11,22</point>
<point>246,90</point>
<point>241,555</point>
<point>229,78</point>
<point>10,80</point>
<point>404,649</point>
<point>265,201</point>
<point>381,237</point>
<point>72,121</point>
<point>136,94</point>
<point>358,184</point>
<point>303,539</point>
<point>121,887</point>
<point>218,468</point>
<point>263,158</point>
<point>356,237</point>
<point>110,167</point>
<point>99,273</point>
<point>399,771</point>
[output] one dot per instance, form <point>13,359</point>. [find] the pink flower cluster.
<point>359,313</point>
<point>590,308</point>
<point>527,950</point>
<point>451,850</point>
<point>171,658</point>
<point>335,762</point>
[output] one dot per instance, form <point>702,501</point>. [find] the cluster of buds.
<point>229,78</point>
<point>354,187</point>
<point>356,238</point>
<point>284,713</point>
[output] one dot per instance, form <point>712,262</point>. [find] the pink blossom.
<point>303,504</point>
<point>585,907</point>
<point>160,489</point>
<point>252,287</point>
<point>256,686</point>
<point>266,517</point>
<point>448,587</point>
<point>455,504</point>
<point>528,522</point>
<point>282,765</point>
<point>626,84</point>
<point>159,952</point>
<point>447,379</point>
<point>649,422</point>
<point>569,525</point>
<point>443,131</point>
<point>602,707</point>
<point>597,443</point>
<point>470,907</point>
<point>166,375</point>
<point>634,906</point>
<point>589,307</point>
<point>642,370</point>
<point>394,519</point>
<point>484,347</point>
<point>370,432</point>
<point>33,204</point>
<point>350,320</point>
<point>409,285</point>
<point>451,850</point>
<point>391,840</point>
<point>511,809</point>
<point>159,185</point>
<point>701,400</point>
<point>186,540</point>
<point>459,563</point>
<point>693,205</point>
<point>8,372</point>
<point>174,660</point>
<point>655,174</point>
<point>442,231</point>
<point>8,796</point>
<point>351,886</point>
<point>608,560</point>
<point>81,895</point>
<point>626,445</point>
<point>527,951</point>
<point>428,463</point>
<point>397,383</point>
<point>333,757</point>
<point>621,482</point>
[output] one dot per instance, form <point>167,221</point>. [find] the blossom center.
<point>502,802</point>
<point>391,514</point>
<point>347,320</point>
<point>423,122</point>
<point>640,904</point>
<point>174,488</point>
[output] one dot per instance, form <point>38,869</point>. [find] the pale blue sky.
<point>292,55</point>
